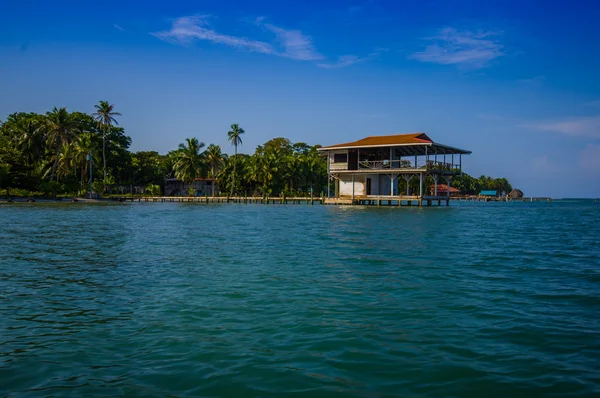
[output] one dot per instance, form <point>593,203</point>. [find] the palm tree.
<point>60,129</point>
<point>30,135</point>
<point>234,136</point>
<point>214,158</point>
<point>188,161</point>
<point>104,115</point>
<point>82,147</point>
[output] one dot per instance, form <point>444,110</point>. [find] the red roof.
<point>444,188</point>
<point>384,140</point>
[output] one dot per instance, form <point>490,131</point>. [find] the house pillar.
<point>407,178</point>
<point>352,188</point>
<point>421,185</point>
<point>337,187</point>
<point>448,181</point>
<point>328,174</point>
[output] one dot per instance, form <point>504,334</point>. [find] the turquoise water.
<point>475,300</point>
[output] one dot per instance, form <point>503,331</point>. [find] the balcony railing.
<point>385,164</point>
<point>407,164</point>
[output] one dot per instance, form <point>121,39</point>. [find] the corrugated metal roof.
<point>377,140</point>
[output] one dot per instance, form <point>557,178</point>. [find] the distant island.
<point>59,153</point>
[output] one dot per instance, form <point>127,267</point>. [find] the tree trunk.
<point>213,181</point>
<point>104,158</point>
<point>55,161</point>
<point>234,165</point>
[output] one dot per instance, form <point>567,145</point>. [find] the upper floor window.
<point>340,158</point>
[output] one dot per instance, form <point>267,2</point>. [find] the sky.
<point>515,82</point>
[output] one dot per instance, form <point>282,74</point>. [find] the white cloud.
<point>347,60</point>
<point>462,48</point>
<point>288,43</point>
<point>118,27</point>
<point>189,29</point>
<point>584,126</point>
<point>589,158</point>
<point>295,44</point>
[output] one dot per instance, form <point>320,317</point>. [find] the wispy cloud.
<point>295,44</point>
<point>288,43</point>
<point>347,60</point>
<point>461,48</point>
<point>583,126</point>
<point>186,30</point>
<point>118,27</point>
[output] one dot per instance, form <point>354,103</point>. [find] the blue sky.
<point>516,82</point>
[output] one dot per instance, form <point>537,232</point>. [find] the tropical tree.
<point>188,163</point>
<point>84,146</point>
<point>214,158</point>
<point>30,137</point>
<point>60,129</point>
<point>105,116</point>
<point>234,136</point>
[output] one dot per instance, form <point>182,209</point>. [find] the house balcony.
<point>397,166</point>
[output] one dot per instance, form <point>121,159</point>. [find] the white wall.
<point>346,186</point>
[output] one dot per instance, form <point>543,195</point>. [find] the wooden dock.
<point>387,200</point>
<point>370,200</point>
<point>222,199</point>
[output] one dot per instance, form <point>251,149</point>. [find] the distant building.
<point>443,190</point>
<point>515,194</point>
<point>202,187</point>
<point>488,193</point>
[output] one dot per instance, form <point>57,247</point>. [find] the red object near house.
<point>442,190</point>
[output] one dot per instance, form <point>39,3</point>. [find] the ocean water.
<point>164,299</point>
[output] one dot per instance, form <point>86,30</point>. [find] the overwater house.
<point>201,186</point>
<point>369,170</point>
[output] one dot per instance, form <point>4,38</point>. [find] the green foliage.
<point>472,186</point>
<point>189,160</point>
<point>275,168</point>
<point>153,189</point>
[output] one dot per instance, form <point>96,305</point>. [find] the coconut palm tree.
<point>60,129</point>
<point>234,136</point>
<point>105,116</point>
<point>83,146</point>
<point>214,158</point>
<point>30,135</point>
<point>188,162</point>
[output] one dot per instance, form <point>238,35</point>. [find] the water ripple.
<point>247,300</point>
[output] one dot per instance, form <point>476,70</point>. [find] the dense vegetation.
<point>50,154</point>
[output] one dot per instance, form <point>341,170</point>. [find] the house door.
<point>368,186</point>
<point>352,160</point>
